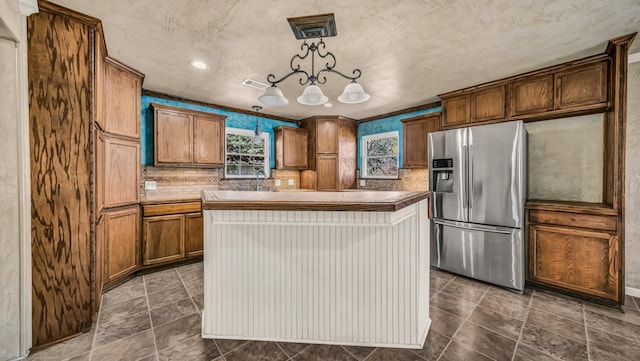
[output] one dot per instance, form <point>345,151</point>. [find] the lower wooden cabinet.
<point>119,234</point>
<point>575,259</point>
<point>194,234</point>
<point>575,252</point>
<point>163,239</point>
<point>171,233</point>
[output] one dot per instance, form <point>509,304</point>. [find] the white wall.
<point>15,220</point>
<point>632,177</point>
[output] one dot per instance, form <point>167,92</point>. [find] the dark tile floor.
<point>157,317</point>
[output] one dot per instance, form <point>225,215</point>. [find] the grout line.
<point>586,333</point>
<point>524,321</point>
<point>445,349</point>
<point>153,333</point>
<point>189,294</point>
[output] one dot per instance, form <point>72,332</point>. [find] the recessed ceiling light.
<point>198,64</point>
<point>328,105</point>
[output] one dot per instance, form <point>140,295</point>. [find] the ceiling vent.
<point>255,84</point>
<point>313,26</point>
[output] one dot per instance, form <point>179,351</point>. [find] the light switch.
<point>278,182</point>
<point>150,185</point>
<point>291,182</point>
<point>362,182</point>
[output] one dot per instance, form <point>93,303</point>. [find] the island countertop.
<point>367,201</point>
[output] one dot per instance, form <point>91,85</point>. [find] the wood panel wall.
<point>59,70</point>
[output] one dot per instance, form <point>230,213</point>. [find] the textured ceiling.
<point>409,51</point>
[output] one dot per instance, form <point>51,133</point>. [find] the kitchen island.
<point>347,268</point>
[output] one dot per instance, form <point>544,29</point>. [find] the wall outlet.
<point>291,182</point>
<point>363,183</point>
<point>278,182</point>
<point>150,185</point>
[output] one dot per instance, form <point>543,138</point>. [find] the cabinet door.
<point>532,95</point>
<point>121,242</point>
<point>122,100</point>
<point>327,173</point>
<point>488,104</point>
<point>193,234</point>
<point>579,260</point>
<point>291,148</point>
<point>327,135</point>
<point>121,171</point>
<point>456,110</point>
<point>583,85</point>
<point>163,239</point>
<point>174,138</point>
<point>415,142</point>
<point>208,140</point>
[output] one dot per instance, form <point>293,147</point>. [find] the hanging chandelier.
<point>315,26</point>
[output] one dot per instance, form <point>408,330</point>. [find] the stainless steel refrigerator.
<point>477,177</point>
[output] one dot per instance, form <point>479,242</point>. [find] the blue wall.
<point>387,125</point>
<point>234,120</point>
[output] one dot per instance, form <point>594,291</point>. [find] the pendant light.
<point>257,139</point>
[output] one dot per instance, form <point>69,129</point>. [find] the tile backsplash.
<point>176,180</point>
<point>408,180</point>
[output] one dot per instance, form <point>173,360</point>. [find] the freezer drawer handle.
<point>474,227</point>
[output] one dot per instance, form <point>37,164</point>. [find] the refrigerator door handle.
<point>475,227</point>
<point>471,193</point>
<point>465,192</point>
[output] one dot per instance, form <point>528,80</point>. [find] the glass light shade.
<point>312,95</point>
<point>273,96</point>
<point>257,139</point>
<point>353,93</point>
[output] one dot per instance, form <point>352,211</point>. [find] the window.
<point>380,155</point>
<point>244,159</point>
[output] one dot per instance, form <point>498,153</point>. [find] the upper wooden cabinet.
<point>122,86</point>
<point>532,95</point>
<point>582,85</point>
<point>489,104</point>
<point>206,131</point>
<point>328,139</point>
<point>332,158</point>
<point>574,88</point>
<point>415,139</point>
<point>456,110</point>
<point>117,171</point>
<point>291,147</point>
<point>187,138</point>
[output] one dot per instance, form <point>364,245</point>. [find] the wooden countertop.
<point>363,201</point>
<point>171,198</point>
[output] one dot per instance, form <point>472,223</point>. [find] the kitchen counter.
<point>171,198</point>
<point>364,201</point>
<point>345,268</point>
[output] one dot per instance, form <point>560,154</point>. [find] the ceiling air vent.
<point>255,84</point>
<point>313,26</point>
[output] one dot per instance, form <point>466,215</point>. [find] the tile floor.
<point>157,317</point>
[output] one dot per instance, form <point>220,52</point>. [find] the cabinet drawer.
<point>603,223</point>
<point>174,208</point>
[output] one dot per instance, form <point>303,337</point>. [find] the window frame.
<point>364,157</point>
<point>251,133</point>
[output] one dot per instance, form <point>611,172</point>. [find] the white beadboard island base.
<point>330,277</point>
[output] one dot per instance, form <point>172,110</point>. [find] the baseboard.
<point>630,291</point>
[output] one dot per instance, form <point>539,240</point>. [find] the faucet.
<point>258,178</point>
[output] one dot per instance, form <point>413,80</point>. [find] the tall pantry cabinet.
<point>85,165</point>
